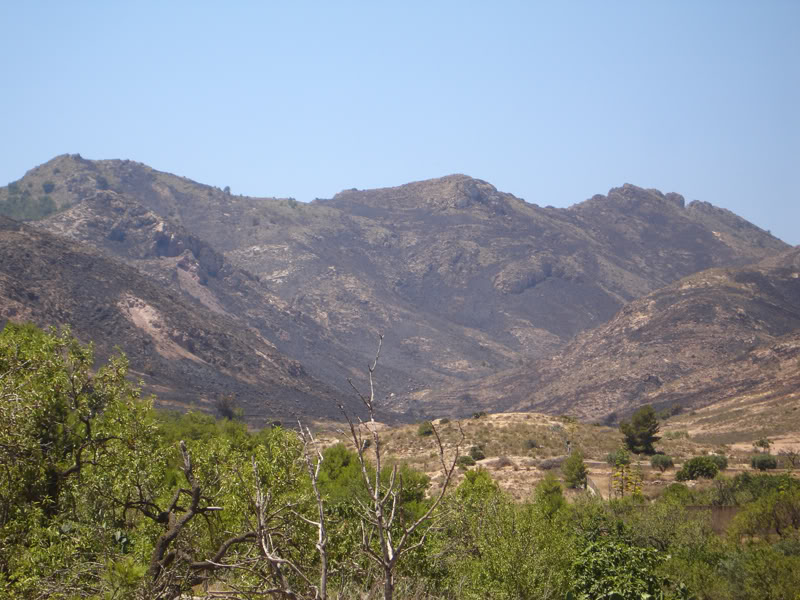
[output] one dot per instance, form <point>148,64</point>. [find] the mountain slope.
<point>692,343</point>
<point>186,354</point>
<point>463,280</point>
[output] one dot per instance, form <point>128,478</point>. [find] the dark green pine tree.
<point>640,432</point>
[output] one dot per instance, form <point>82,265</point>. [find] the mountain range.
<point>485,301</point>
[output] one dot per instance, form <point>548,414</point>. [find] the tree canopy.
<point>641,431</point>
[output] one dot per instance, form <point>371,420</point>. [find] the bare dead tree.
<point>313,465</point>
<point>379,516</point>
<point>791,457</point>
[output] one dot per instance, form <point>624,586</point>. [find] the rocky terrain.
<point>186,354</point>
<point>717,335</point>
<point>465,281</point>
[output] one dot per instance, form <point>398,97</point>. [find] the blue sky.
<point>553,102</point>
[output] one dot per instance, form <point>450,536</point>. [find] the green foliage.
<point>102,183</point>
<point>425,428</point>
<point>777,512</point>
<point>762,444</point>
<point>477,453</point>
<point>662,462</point>
<point>65,434</point>
<point>641,431</point>
<point>611,568</point>
<point>719,460</point>
<point>88,471</point>
<point>48,187</point>
<point>549,495</point>
<point>465,460</point>
<point>699,467</point>
<point>618,458</point>
<point>494,548</point>
<point>762,462</point>
<point>574,470</point>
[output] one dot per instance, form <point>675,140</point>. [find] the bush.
<point>503,461</point>
<point>425,428</point>
<point>444,421</point>
<point>465,460</point>
<point>551,463</point>
<point>48,186</point>
<point>531,444</point>
<point>662,462</point>
<point>479,415</point>
<point>719,460</point>
<point>477,453</point>
<point>696,468</point>
<point>762,462</point>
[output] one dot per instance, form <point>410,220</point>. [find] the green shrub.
<point>662,462</point>
<point>719,460</point>
<point>479,415</point>
<point>48,187</point>
<point>465,460</point>
<point>477,453</point>
<point>425,428</point>
<point>762,462</point>
<point>696,468</point>
<point>531,444</point>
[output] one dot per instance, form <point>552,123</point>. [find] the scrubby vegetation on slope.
<point>101,497</point>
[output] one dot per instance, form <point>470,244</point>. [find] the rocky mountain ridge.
<point>464,281</point>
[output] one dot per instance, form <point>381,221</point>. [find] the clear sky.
<point>553,102</point>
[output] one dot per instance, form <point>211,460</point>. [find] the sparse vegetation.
<point>486,545</point>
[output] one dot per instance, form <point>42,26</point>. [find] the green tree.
<point>762,462</point>
<point>63,430</point>
<point>641,431</point>
<point>662,462</point>
<point>574,469</point>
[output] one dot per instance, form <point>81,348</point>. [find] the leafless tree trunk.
<point>314,465</point>
<point>378,517</point>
